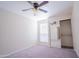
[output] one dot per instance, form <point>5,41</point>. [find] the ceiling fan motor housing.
<point>35,5</point>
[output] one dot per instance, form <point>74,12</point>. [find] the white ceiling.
<point>53,8</point>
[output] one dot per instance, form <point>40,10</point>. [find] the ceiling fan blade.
<point>30,2</point>
<point>27,9</point>
<point>43,10</point>
<point>43,3</point>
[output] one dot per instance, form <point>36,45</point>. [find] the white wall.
<point>75,26</point>
<point>16,32</point>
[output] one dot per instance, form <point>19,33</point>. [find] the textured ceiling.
<point>53,7</point>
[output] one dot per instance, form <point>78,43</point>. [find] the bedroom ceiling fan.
<point>36,6</point>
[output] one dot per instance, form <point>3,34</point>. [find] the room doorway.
<point>43,33</point>
<point>66,34</point>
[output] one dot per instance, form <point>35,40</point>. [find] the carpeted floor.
<point>40,51</point>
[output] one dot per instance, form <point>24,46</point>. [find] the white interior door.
<point>54,37</point>
<point>53,29</point>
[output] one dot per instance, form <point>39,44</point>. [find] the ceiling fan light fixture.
<point>34,11</point>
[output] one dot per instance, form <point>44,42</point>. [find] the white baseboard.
<point>2,56</point>
<point>77,52</point>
